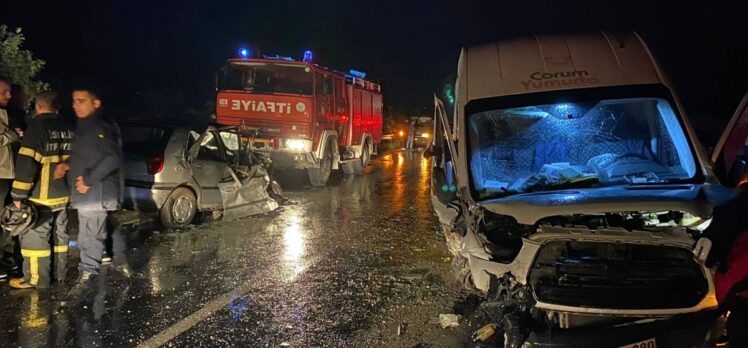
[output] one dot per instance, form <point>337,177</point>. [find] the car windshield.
<point>262,77</point>
<point>602,142</point>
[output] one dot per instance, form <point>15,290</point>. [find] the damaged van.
<point>571,189</point>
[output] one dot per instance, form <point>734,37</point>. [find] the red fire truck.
<point>305,116</point>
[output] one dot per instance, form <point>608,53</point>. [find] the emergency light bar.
<point>278,57</point>
<point>356,73</point>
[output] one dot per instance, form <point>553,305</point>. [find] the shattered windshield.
<point>572,145</point>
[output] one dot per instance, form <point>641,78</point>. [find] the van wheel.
<point>319,176</point>
<point>360,166</point>
<point>180,208</point>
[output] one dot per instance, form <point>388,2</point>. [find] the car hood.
<point>528,208</point>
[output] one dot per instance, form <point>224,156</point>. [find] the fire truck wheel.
<point>319,176</point>
<point>179,209</point>
<point>359,166</point>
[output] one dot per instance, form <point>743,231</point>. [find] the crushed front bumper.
<point>686,331</point>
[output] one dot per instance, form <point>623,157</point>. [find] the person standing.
<point>46,144</point>
<point>8,138</point>
<point>724,246</point>
<point>411,134</point>
<point>94,172</point>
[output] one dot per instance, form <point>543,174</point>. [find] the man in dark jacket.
<point>94,172</point>
<point>46,144</point>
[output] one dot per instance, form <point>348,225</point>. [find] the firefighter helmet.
<point>17,221</point>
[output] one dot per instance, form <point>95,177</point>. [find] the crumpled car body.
<point>209,170</point>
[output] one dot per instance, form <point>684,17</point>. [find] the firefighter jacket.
<point>97,158</point>
<point>46,143</point>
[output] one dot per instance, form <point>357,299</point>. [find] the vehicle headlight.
<point>425,135</point>
<point>297,144</point>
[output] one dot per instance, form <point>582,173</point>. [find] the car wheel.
<point>360,166</point>
<point>319,176</point>
<point>276,192</point>
<point>180,208</point>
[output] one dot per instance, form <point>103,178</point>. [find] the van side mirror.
<point>432,151</point>
<point>443,191</point>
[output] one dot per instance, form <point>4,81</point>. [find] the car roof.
<point>156,124</point>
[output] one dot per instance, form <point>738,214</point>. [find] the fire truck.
<point>304,116</point>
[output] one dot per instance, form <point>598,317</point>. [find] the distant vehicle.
<point>305,116</point>
<point>575,191</point>
<point>178,172</point>
<point>423,129</point>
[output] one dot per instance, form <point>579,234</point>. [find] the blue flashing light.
<point>244,53</point>
<point>356,73</point>
<point>308,56</point>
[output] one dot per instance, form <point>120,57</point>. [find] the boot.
<point>79,290</point>
<point>106,258</point>
<point>121,265</point>
<point>19,283</point>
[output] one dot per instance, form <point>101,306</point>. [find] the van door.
<point>730,156</point>
<point>443,185</point>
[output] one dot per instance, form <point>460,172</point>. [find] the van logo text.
<point>540,80</point>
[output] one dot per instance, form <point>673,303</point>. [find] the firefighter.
<point>46,144</point>
<point>7,138</point>
<point>94,173</point>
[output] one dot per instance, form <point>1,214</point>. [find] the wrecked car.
<point>180,172</point>
<point>571,189</point>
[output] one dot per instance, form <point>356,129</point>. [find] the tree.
<point>19,65</point>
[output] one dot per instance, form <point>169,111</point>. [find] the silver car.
<point>180,171</point>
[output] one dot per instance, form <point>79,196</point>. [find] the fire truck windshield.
<point>267,78</point>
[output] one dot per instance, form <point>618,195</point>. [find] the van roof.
<point>554,62</point>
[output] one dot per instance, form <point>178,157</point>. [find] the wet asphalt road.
<point>349,265</point>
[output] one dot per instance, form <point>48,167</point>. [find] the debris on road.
<point>485,333</point>
<point>448,321</point>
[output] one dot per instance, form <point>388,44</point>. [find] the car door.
<point>210,167</point>
<point>730,156</point>
<point>246,193</point>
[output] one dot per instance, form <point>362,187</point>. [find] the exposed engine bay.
<point>589,270</point>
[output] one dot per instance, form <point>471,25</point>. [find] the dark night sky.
<point>410,47</point>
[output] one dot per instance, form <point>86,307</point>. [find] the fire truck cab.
<point>303,115</point>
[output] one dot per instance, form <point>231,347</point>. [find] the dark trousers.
<point>92,234</point>
<point>8,250</point>
<point>6,245</point>
<point>45,248</point>
<point>737,324</point>
<point>116,244</point>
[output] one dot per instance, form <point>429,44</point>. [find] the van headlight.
<point>298,145</point>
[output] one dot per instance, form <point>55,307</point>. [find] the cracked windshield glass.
<point>576,145</point>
